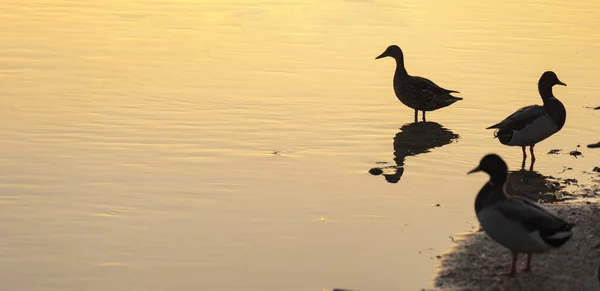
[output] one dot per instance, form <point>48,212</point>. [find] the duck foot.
<point>528,265</point>
<point>510,272</point>
<point>513,267</point>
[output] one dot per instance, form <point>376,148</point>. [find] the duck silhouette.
<point>416,92</point>
<point>519,224</point>
<point>534,123</point>
<point>414,139</point>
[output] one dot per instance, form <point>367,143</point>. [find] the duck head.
<point>393,51</point>
<point>550,79</point>
<point>494,166</point>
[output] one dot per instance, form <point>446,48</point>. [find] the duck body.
<point>509,222</point>
<point>518,224</point>
<point>422,94</point>
<point>532,124</point>
<point>416,92</point>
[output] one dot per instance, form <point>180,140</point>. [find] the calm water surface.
<point>225,145</point>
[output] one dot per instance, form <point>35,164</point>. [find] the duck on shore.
<point>534,123</point>
<point>517,223</point>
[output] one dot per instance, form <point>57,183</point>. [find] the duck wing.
<point>427,87</point>
<point>520,118</point>
<point>554,230</point>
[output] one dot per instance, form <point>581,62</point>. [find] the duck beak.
<point>561,83</point>
<point>474,170</point>
<point>383,55</point>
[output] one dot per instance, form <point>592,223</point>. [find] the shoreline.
<point>474,259</point>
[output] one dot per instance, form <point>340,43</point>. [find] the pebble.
<point>575,153</point>
<point>375,171</point>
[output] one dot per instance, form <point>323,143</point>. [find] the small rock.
<point>554,151</point>
<point>575,153</point>
<point>438,205</point>
<point>594,145</point>
<point>570,181</point>
<point>375,171</point>
<point>596,169</point>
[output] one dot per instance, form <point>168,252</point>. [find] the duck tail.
<point>497,125</point>
<point>503,135</point>
<point>495,132</point>
<point>558,241</point>
<point>560,236</point>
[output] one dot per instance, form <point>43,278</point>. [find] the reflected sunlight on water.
<point>152,144</point>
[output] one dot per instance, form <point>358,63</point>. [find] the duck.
<point>416,92</point>
<point>534,123</point>
<point>515,222</point>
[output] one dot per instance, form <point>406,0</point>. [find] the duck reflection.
<point>413,139</point>
<point>530,184</point>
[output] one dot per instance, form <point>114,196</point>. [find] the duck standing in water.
<point>534,123</point>
<point>516,223</point>
<point>415,92</point>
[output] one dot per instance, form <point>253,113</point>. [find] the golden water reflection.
<point>141,132</point>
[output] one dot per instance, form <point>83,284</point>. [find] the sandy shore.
<point>475,258</point>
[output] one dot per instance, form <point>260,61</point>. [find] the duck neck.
<point>546,92</point>
<point>400,70</point>
<point>498,179</point>
<point>492,192</point>
<point>553,106</point>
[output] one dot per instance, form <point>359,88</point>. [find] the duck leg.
<point>423,115</point>
<point>513,268</point>
<point>524,158</point>
<point>528,266</point>
<point>532,157</point>
<point>416,115</point>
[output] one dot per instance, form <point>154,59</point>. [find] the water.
<point>156,145</point>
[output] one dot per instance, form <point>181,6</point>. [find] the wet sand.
<point>473,261</point>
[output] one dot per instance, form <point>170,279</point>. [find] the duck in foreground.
<point>416,92</point>
<point>534,123</point>
<point>516,223</point>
